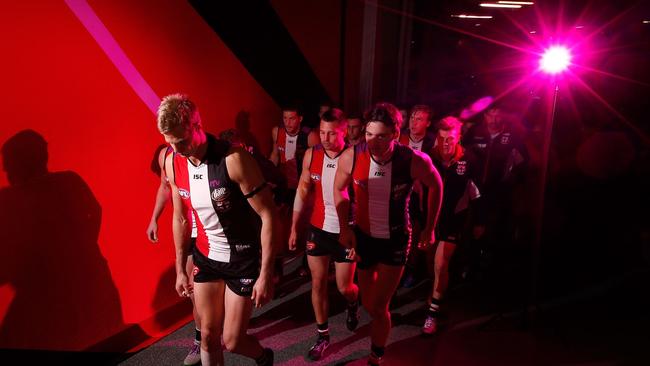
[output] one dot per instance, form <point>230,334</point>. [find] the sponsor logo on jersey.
<point>184,193</point>
<point>221,197</point>
<point>197,176</point>
<point>330,165</point>
<point>400,190</point>
<point>380,174</point>
<point>242,247</point>
<point>461,167</point>
<point>214,183</point>
<point>315,177</point>
<point>505,139</point>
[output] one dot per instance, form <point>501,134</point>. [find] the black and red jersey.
<point>228,228</point>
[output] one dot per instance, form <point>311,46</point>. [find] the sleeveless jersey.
<point>292,150</point>
<point>382,191</point>
<point>424,145</point>
<point>322,170</point>
<point>228,229</point>
<point>168,151</point>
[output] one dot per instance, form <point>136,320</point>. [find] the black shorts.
<point>392,252</point>
<point>239,276</point>
<point>192,245</point>
<point>450,229</point>
<point>321,243</point>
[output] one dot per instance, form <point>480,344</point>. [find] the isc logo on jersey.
<point>184,193</point>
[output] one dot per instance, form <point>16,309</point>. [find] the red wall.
<point>60,83</point>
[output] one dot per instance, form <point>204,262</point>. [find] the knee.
<point>210,338</point>
<point>231,341</point>
<point>347,290</point>
<point>377,311</point>
<point>319,286</point>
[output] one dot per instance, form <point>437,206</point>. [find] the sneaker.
<point>317,350</point>
<point>194,357</point>
<point>267,358</point>
<point>352,319</point>
<point>374,360</point>
<point>430,325</point>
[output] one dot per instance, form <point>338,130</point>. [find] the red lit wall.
<point>60,83</point>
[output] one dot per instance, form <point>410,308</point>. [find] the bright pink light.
<point>555,60</point>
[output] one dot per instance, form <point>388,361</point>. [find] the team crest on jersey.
<point>461,168</point>
<point>184,193</point>
<point>315,177</point>
<point>505,139</point>
<point>215,183</point>
<point>221,198</point>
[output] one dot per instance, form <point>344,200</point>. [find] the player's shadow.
<point>64,298</point>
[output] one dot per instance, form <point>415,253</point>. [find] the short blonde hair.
<point>450,123</point>
<point>177,110</point>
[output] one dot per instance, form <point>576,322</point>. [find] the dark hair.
<point>423,108</point>
<point>385,113</point>
<point>292,108</point>
<point>334,115</point>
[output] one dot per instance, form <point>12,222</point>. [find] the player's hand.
<point>183,287</point>
<point>293,239</point>
<point>152,231</point>
<point>262,291</point>
<point>347,238</point>
<point>427,239</point>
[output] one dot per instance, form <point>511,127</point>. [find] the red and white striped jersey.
<point>322,170</point>
<point>382,191</point>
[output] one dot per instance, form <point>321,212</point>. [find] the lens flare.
<point>555,60</point>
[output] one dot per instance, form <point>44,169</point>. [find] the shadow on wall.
<point>64,298</point>
<point>243,125</point>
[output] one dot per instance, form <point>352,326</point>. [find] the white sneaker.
<point>430,325</point>
<point>194,357</point>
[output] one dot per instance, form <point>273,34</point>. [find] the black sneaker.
<point>352,319</point>
<point>267,358</point>
<point>317,350</point>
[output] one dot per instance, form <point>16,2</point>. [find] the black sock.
<point>197,335</point>
<point>434,308</point>
<point>323,330</point>
<point>376,350</point>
